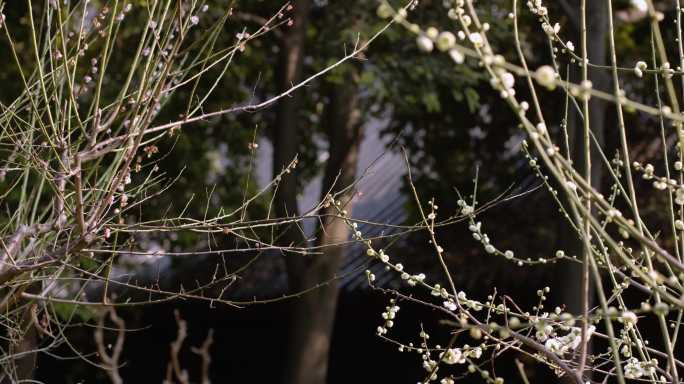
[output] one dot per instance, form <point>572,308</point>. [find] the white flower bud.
<point>384,11</point>
<point>476,39</point>
<point>546,76</point>
<point>456,56</point>
<point>639,68</point>
<point>424,43</point>
<point>445,41</point>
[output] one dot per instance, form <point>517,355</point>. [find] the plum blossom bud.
<point>639,68</point>
<point>551,30</point>
<point>661,309</point>
<point>476,39</point>
<point>679,225</point>
<point>432,33</point>
<point>508,80</point>
<point>667,71</point>
<point>546,77</point>
<point>401,15</point>
<point>467,210</point>
<point>679,196</point>
<point>585,89</point>
<point>384,11</point>
<point>456,56</point>
<point>629,318</point>
<point>424,43</point>
<point>445,41</point>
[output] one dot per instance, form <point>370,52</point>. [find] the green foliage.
<point>73,312</point>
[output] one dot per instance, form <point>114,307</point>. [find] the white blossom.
<point>453,356</point>
<point>467,210</point>
<point>546,76</point>
<point>679,196</point>
<point>629,318</point>
<point>476,39</point>
<point>445,41</point>
<point>384,11</point>
<point>456,56</point>
<point>424,43</point>
<point>508,80</point>
<point>639,68</point>
<point>432,33</point>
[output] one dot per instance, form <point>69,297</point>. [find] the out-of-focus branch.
<point>174,368</point>
<point>111,361</point>
<point>204,352</point>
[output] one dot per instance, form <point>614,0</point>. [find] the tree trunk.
<point>597,51</point>
<point>286,137</point>
<point>570,274</point>
<point>314,313</point>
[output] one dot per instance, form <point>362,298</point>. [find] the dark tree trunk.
<point>314,313</point>
<point>597,21</point>
<point>570,274</point>
<point>286,136</point>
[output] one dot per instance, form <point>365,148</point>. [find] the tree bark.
<point>286,136</point>
<point>570,274</point>
<point>314,313</point>
<point>597,52</point>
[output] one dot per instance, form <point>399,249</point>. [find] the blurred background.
<point>349,128</point>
